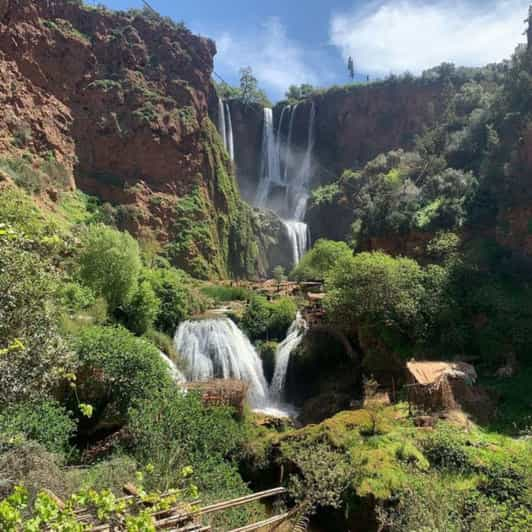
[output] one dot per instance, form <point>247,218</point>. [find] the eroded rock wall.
<point>121,100</point>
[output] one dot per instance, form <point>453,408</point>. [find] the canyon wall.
<point>120,100</point>
<point>353,125</point>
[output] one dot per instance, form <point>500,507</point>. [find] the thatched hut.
<point>439,386</point>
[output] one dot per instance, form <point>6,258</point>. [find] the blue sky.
<point>308,41</point>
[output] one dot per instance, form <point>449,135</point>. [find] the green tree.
<point>264,320</point>
<point>33,354</point>
<point>249,90</point>
<point>248,85</point>
<point>380,298</point>
<point>110,264</point>
<point>143,309</point>
<point>317,262</point>
<point>115,367</point>
<point>178,301</point>
<point>298,92</point>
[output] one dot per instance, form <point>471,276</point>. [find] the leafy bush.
<point>320,259</point>
<point>172,431</point>
<point>115,368</point>
<point>45,421</point>
<point>75,297</point>
<point>143,309</point>
<point>33,355</point>
<point>223,294</point>
<point>377,289</point>
<point>264,320</point>
<point>187,433</point>
<point>446,450</point>
<point>110,264</point>
<point>177,300</point>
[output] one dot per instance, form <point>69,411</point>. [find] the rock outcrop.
<point>120,99</point>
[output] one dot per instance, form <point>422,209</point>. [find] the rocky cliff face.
<point>247,129</point>
<point>121,101</point>
<point>352,126</point>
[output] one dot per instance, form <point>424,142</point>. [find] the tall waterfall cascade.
<point>230,137</point>
<point>218,349</point>
<point>278,169</point>
<point>225,127</point>
<point>282,358</point>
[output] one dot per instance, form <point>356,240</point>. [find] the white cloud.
<point>277,61</point>
<point>396,36</point>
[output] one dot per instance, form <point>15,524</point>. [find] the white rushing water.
<point>221,121</point>
<point>217,348</point>
<point>270,172</point>
<point>278,167</point>
<point>289,159</point>
<point>299,238</point>
<point>230,139</point>
<point>282,358</point>
<point>225,127</point>
<point>175,373</point>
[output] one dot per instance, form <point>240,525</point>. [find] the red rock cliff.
<point>121,99</point>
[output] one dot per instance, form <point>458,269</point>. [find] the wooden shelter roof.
<point>432,372</point>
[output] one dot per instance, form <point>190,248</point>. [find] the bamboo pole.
<point>267,522</point>
<point>240,501</point>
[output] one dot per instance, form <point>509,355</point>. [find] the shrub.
<point>264,320</point>
<point>141,312</point>
<point>378,289</point>
<point>446,451</point>
<point>115,368</point>
<point>320,259</point>
<point>172,430</point>
<point>110,264</point>
<point>177,300</point>
<point>226,293</point>
<point>45,421</point>
<point>33,355</point>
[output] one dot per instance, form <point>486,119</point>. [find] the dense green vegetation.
<point>85,310</point>
<point>320,259</point>
<point>83,315</point>
<point>445,479</point>
<point>265,320</point>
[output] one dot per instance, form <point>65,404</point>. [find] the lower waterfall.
<point>282,358</point>
<point>175,373</point>
<point>218,349</point>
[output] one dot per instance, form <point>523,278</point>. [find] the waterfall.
<point>225,127</point>
<point>296,183</point>
<point>217,348</point>
<point>300,186</point>
<point>270,164</point>
<point>221,121</point>
<point>288,156</point>
<point>282,358</point>
<point>281,149</point>
<point>299,237</point>
<point>230,139</point>
<point>176,375</point>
